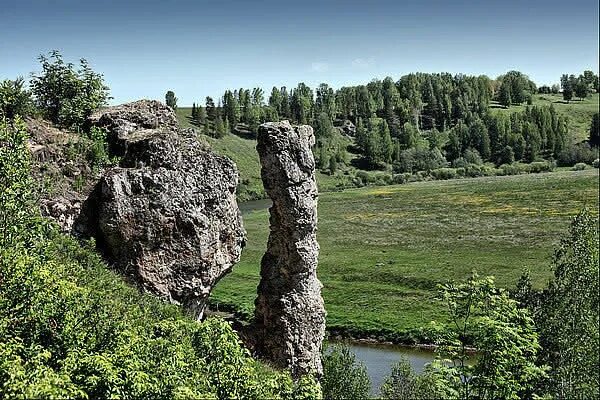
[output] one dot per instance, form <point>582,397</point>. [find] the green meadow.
<point>384,250</point>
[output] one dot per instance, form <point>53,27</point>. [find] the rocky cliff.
<point>166,216</point>
<point>289,315</point>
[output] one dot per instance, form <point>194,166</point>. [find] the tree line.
<point>437,119</point>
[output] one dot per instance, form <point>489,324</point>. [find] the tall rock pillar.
<point>289,313</point>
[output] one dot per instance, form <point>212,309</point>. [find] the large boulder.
<point>290,315</point>
<point>167,217</point>
<point>127,119</point>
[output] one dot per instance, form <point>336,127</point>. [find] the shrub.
<point>596,163</point>
<point>577,153</point>
<point>343,376</point>
<point>540,166</point>
<point>443,173</point>
<point>67,96</point>
<point>472,156</point>
<point>460,162</point>
<point>404,383</point>
<point>97,152</point>
<point>14,99</point>
<point>579,167</point>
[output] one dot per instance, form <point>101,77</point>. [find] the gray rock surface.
<point>289,314</point>
<point>167,217</point>
<point>124,120</point>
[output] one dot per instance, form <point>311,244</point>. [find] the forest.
<point>419,122</point>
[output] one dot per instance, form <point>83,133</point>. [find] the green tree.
<point>594,137</point>
<point>581,88</point>
<point>171,100</point>
<point>506,156</point>
<point>65,95</point>
<point>343,376</point>
<point>219,128</point>
<point>15,99</point>
<point>482,315</point>
<point>201,115</point>
<point>568,86</point>
<point>387,146</point>
<point>211,110</point>
<point>194,112</point>
<point>568,316</point>
<point>404,384</point>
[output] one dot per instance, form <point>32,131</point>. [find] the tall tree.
<point>171,100</point>
<point>594,137</point>
<point>568,318</point>
<point>211,110</point>
<point>504,96</point>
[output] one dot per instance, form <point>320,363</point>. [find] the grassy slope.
<point>384,250</point>
<point>579,112</point>
<point>243,152</point>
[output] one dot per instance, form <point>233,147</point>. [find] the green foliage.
<point>16,184</point>
<point>505,338</point>
<point>70,328</point>
<point>65,95</point>
<point>97,152</point>
<point>404,384</point>
<point>343,376</point>
<point>568,317</point>
<point>577,153</point>
<point>594,137</point>
<point>171,100</point>
<point>14,99</point>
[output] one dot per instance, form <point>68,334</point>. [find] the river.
<point>379,358</point>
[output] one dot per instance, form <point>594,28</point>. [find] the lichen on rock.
<point>290,315</point>
<point>167,217</point>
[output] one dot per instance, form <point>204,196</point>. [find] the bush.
<point>404,383</point>
<point>472,156</point>
<point>343,376</point>
<point>579,167</point>
<point>511,169</point>
<point>577,153</point>
<point>67,96</point>
<point>97,152</point>
<point>540,166</point>
<point>443,173</point>
<point>14,99</point>
<point>596,163</point>
<point>460,162</point>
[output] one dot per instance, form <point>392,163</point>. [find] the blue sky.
<point>199,48</point>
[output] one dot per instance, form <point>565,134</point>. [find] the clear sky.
<point>199,48</point>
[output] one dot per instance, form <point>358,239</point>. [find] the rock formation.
<point>124,120</point>
<point>167,216</point>
<point>289,314</point>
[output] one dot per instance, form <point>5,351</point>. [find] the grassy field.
<point>385,249</point>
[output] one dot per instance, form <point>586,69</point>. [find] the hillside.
<point>243,150</point>
<point>579,112</point>
<point>384,250</point>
